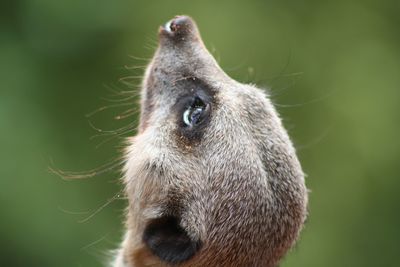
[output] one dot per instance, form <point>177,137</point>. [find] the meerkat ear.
<point>168,240</point>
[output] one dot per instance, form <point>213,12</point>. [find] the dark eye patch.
<point>193,110</point>
<point>195,113</point>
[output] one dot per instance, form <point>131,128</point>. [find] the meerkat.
<point>212,177</point>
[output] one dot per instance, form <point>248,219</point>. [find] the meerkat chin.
<point>212,177</point>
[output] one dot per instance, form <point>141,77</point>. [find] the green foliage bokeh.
<point>333,69</point>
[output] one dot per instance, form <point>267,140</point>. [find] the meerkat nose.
<point>179,28</point>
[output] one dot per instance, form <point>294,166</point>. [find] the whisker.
<point>132,84</point>
<point>279,91</point>
<point>315,140</point>
<point>119,100</point>
<point>112,132</point>
<point>125,114</point>
<point>72,212</point>
<point>289,58</point>
<point>131,77</point>
<point>115,136</point>
<point>118,91</point>
<point>135,67</point>
<point>304,103</point>
<point>108,202</point>
<point>292,74</point>
<point>153,42</point>
<point>121,93</point>
<point>139,58</point>
<point>150,47</point>
<point>75,175</point>
<point>130,110</point>
<point>95,242</point>
<point>108,107</point>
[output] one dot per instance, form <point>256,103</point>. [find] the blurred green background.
<point>334,73</point>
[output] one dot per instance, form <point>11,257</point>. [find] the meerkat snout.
<point>212,177</point>
<point>180,26</point>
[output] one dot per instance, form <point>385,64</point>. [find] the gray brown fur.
<point>239,188</point>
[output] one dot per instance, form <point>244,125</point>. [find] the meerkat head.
<point>212,177</point>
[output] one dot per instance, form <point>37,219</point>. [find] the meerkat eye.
<point>196,112</point>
